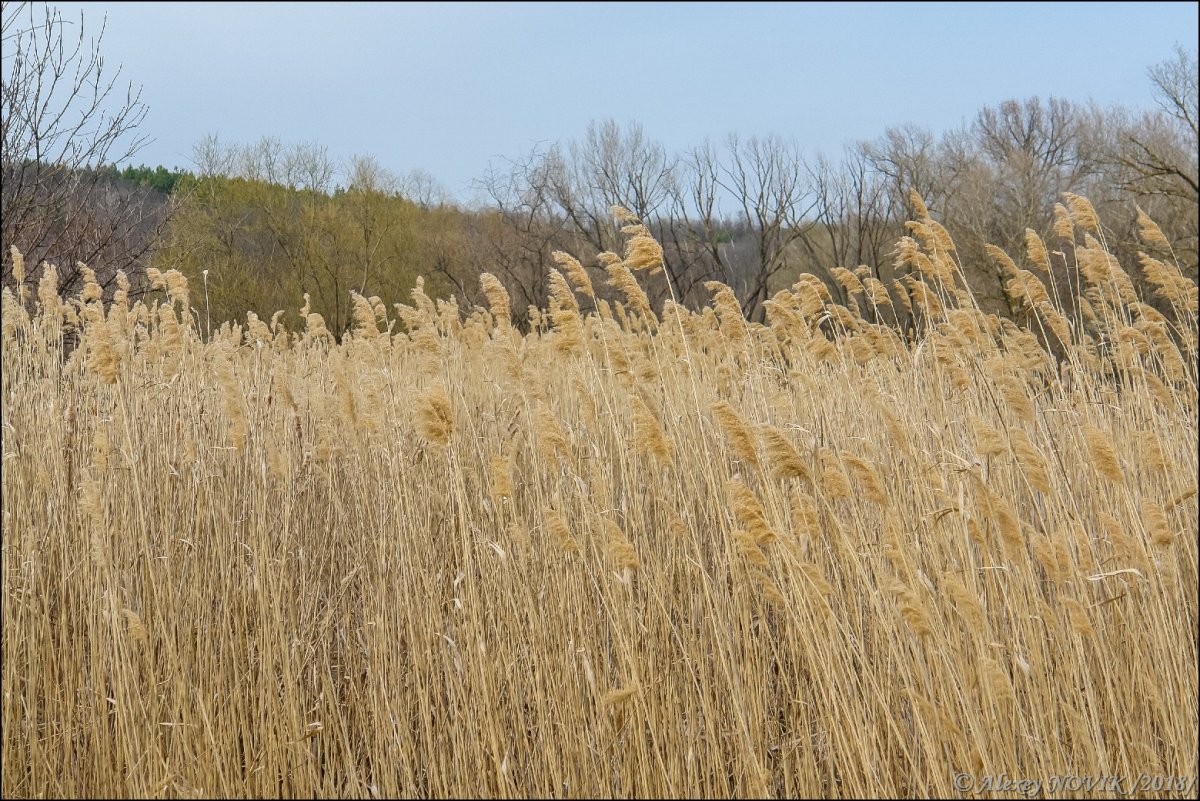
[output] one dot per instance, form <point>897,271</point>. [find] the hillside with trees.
<point>258,225</point>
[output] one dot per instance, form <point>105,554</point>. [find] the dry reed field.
<point>622,554</point>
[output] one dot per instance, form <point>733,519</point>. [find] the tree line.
<point>755,213</point>
<point>257,225</point>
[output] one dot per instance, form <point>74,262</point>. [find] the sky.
<point>452,88</point>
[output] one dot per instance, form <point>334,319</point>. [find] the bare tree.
<point>66,124</point>
<point>856,221</point>
<point>212,158</point>
<point>853,209</point>
<point>562,196</point>
<point>697,192</point>
<point>615,166</point>
<point>369,183</point>
<point>1162,153</point>
<point>620,168</point>
<point>1007,171</point>
<point>1152,157</point>
<point>262,161</point>
<point>308,166</point>
<point>519,230</point>
<point>766,180</point>
<point>910,158</point>
<point>694,240</point>
<point>422,188</point>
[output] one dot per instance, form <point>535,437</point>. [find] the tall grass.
<point>622,554</point>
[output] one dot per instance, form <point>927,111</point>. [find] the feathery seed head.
<point>737,431</point>
<point>575,271</point>
<point>435,415</point>
<point>498,299</point>
<point>1082,212</point>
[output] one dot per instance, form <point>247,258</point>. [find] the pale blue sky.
<point>449,88</point>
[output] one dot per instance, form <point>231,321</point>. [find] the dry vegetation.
<point>617,555</point>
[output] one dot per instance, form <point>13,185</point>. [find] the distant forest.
<point>257,225</point>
